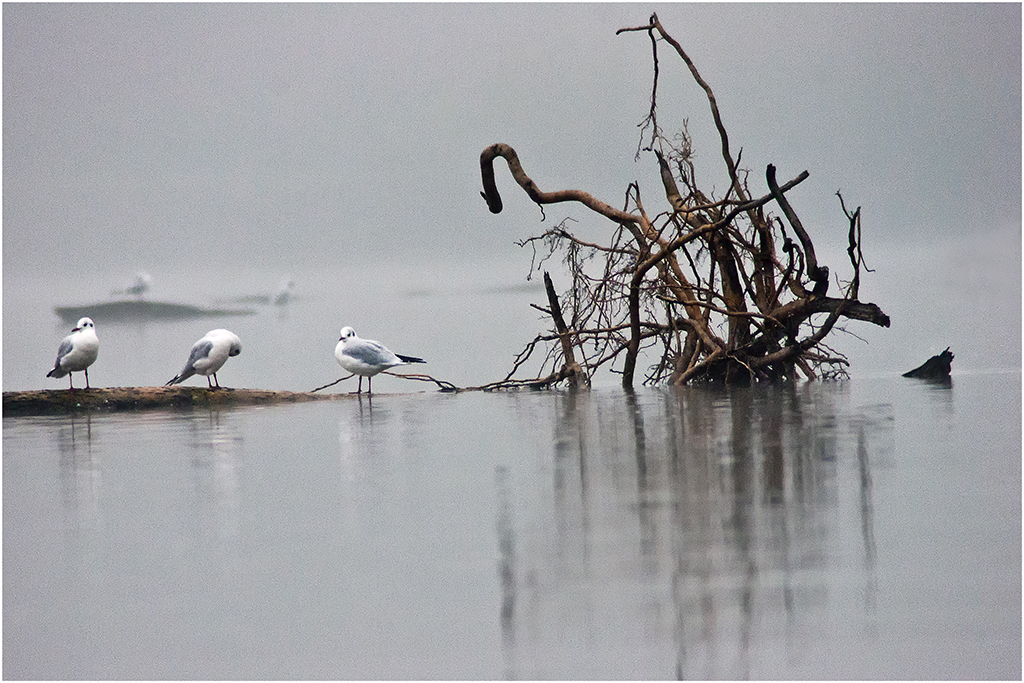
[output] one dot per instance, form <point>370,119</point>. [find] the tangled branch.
<point>713,288</point>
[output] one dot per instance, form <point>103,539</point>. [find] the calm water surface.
<point>869,529</point>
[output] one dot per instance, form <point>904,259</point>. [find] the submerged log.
<point>936,367</point>
<point>65,401</point>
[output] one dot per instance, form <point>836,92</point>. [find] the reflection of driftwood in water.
<point>64,401</point>
<point>142,310</point>
<point>710,504</point>
<point>936,367</point>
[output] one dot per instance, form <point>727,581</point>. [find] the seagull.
<point>209,355</point>
<point>138,287</point>
<point>284,292</point>
<point>366,358</point>
<point>77,352</point>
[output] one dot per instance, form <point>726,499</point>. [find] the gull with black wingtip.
<point>366,357</point>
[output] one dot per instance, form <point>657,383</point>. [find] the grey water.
<point>863,529</point>
<point>866,529</point>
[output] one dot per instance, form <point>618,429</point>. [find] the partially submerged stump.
<point>936,367</point>
<point>65,401</point>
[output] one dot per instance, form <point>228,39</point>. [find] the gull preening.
<point>77,352</point>
<point>366,358</point>
<point>209,355</point>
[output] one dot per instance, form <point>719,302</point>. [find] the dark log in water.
<point>936,367</point>
<point>64,401</point>
<point>133,309</point>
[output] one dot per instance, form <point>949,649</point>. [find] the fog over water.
<point>285,136</point>
<point>221,148</point>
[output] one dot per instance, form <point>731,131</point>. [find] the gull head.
<point>83,324</point>
<point>233,342</point>
<point>346,334</point>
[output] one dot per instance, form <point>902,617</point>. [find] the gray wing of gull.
<point>200,351</point>
<point>64,349</point>
<point>371,353</point>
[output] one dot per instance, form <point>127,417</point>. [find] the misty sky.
<point>156,136</point>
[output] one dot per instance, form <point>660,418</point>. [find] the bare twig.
<point>443,385</point>
<point>332,383</point>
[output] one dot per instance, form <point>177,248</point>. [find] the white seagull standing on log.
<point>77,352</point>
<point>208,356</point>
<point>366,358</point>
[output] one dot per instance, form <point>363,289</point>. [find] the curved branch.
<point>490,193</point>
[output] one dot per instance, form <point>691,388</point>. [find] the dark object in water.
<point>142,310</point>
<point>936,367</point>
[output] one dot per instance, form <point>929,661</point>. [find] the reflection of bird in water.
<point>209,355</point>
<point>284,292</point>
<point>139,286</point>
<point>77,352</point>
<point>366,358</point>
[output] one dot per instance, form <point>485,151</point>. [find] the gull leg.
<point>87,378</point>
<point>71,379</point>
